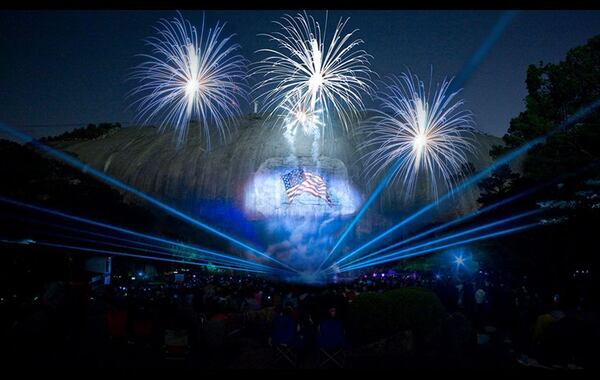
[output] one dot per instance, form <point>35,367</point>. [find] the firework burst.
<point>423,132</point>
<point>298,115</point>
<point>189,76</point>
<point>331,77</point>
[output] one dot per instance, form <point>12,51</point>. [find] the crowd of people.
<point>238,320</point>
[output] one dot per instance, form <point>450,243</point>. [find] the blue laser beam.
<point>155,248</point>
<point>473,179</point>
<point>164,253</point>
<point>448,224</point>
<point>461,242</point>
<point>581,113</point>
<point>456,235</point>
<point>449,245</point>
<point>119,229</point>
<point>480,211</point>
<point>27,139</point>
<point>382,185</point>
<point>124,230</point>
<point>87,240</point>
<point>125,254</point>
<point>461,79</point>
<point>484,49</point>
<point>242,264</point>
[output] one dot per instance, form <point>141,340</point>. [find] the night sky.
<point>63,68</point>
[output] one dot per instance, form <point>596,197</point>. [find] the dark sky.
<point>71,67</point>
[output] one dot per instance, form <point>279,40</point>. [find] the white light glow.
<point>332,76</point>
<point>189,76</point>
<point>426,132</point>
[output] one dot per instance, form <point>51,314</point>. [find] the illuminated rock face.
<point>185,176</point>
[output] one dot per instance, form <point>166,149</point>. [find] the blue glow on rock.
<point>300,232</point>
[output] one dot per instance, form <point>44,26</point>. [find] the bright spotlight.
<point>459,260</point>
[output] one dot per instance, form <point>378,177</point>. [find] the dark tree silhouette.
<point>498,185</point>
<point>92,131</point>
<point>555,92</point>
<point>466,170</point>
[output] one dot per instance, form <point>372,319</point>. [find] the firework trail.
<point>299,117</point>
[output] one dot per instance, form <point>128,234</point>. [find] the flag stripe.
<point>298,181</point>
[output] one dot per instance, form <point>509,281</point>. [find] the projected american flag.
<point>298,181</point>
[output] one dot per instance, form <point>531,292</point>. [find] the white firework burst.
<point>190,77</point>
<point>420,132</point>
<point>298,114</point>
<point>333,76</point>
